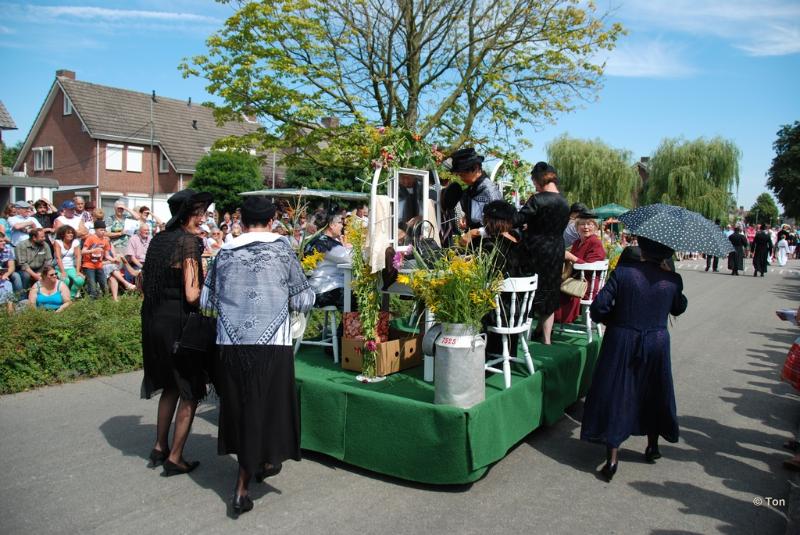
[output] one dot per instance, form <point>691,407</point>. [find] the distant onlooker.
<point>45,214</point>
<point>67,249</point>
<point>151,220</point>
<point>70,217</point>
<point>82,209</point>
<point>33,255</point>
<point>9,279</point>
<point>116,227</point>
<point>22,223</point>
<point>96,249</point>
<point>137,249</point>
<point>4,215</point>
<point>49,292</point>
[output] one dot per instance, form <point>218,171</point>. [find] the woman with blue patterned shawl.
<point>255,283</point>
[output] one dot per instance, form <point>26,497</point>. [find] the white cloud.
<point>117,15</point>
<point>758,27</point>
<point>651,59</point>
<point>4,30</point>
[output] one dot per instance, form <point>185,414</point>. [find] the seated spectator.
<point>45,214</point>
<point>236,230</point>
<point>571,234</point>
<point>10,282</point>
<point>327,279</point>
<point>7,212</point>
<point>137,249</point>
<point>68,258</point>
<point>96,249</point>
<point>22,223</point>
<point>83,209</point>
<point>49,292</point>
<point>114,273</point>
<point>216,241</point>
<point>33,255</point>
<point>70,217</point>
<point>116,227</point>
<point>586,250</point>
<point>150,220</point>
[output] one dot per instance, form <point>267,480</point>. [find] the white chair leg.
<point>334,338</point>
<point>588,325</point>
<point>506,362</point>
<point>528,359</point>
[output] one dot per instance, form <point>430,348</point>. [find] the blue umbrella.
<point>677,228</point>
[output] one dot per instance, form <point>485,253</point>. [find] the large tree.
<point>10,154</point>
<point>784,174</point>
<point>592,172</point>
<point>763,211</point>
<point>698,175</point>
<point>454,71</point>
<point>225,175</point>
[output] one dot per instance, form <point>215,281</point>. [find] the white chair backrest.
<point>595,273</point>
<point>522,290</point>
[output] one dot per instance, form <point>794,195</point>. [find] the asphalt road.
<point>72,457</point>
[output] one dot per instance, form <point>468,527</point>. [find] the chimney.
<point>645,159</point>
<point>330,122</point>
<point>64,73</point>
<point>190,102</point>
<point>194,124</point>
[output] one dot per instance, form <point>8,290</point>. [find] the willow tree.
<point>592,172</point>
<point>453,71</point>
<point>698,175</point>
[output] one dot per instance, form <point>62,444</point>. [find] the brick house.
<point>97,141</point>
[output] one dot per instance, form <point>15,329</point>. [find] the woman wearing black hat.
<point>545,216</point>
<point>586,250</point>
<point>255,283</point>
<point>172,279</point>
<point>467,164</point>
<point>632,391</point>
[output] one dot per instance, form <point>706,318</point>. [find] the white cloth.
<point>74,221</point>
<point>68,255</point>
<point>380,232</point>
<point>783,252</point>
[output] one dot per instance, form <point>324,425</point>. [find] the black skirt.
<point>259,419</point>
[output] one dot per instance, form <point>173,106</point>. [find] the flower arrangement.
<point>458,289</point>
<point>517,172</point>
<point>389,147</point>
<point>365,291</point>
<point>310,261</point>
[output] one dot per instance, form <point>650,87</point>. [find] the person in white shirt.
<point>22,223</point>
<point>70,217</point>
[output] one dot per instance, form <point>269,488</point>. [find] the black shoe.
<point>651,454</point>
<point>706,268</point>
<point>157,458</point>
<point>269,470</point>
<point>755,273</point>
<point>609,470</point>
<point>173,469</point>
<point>762,274</point>
<point>241,504</point>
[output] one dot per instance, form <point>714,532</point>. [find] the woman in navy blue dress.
<point>632,391</point>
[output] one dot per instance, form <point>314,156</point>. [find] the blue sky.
<point>687,68</point>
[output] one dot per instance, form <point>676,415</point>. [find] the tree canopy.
<point>698,175</point>
<point>454,71</point>
<point>10,154</point>
<point>225,175</point>
<point>763,211</point>
<point>784,174</point>
<point>592,172</point>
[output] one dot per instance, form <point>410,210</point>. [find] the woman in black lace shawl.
<point>172,281</point>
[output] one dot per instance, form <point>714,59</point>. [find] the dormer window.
<point>163,163</point>
<point>67,105</point>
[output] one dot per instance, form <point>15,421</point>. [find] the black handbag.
<point>199,334</point>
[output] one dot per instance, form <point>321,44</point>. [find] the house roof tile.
<point>185,132</point>
<point>6,122</point>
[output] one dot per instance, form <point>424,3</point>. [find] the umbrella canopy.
<point>609,210</point>
<point>677,228</point>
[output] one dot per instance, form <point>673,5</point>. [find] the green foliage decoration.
<point>226,174</point>
<point>698,175</point>
<point>90,338</point>
<point>784,173</point>
<point>592,172</point>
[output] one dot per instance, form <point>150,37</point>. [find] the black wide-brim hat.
<point>499,210</point>
<point>465,160</point>
<point>182,202</point>
<point>654,250</point>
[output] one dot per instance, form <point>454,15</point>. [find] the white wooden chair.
<point>515,320</point>
<point>328,338</point>
<point>595,274</point>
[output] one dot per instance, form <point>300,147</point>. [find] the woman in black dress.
<point>736,258</point>
<point>545,215</point>
<point>172,280</point>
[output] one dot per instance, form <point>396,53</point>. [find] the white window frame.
<point>111,147</point>
<point>40,161</point>
<point>163,162</point>
<point>138,153</point>
<point>67,105</point>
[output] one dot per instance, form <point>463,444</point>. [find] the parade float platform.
<point>393,427</point>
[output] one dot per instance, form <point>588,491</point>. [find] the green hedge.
<point>90,338</point>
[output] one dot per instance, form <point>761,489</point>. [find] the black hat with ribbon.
<point>465,160</point>
<point>181,204</point>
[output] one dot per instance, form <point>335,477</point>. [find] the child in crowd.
<point>96,249</point>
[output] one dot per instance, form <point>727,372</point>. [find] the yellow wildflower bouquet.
<point>458,288</point>
<point>310,261</point>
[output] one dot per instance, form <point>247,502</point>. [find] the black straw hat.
<point>182,202</point>
<point>257,210</point>
<point>465,160</point>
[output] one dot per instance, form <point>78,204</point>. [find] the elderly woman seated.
<point>326,278</point>
<point>586,250</point>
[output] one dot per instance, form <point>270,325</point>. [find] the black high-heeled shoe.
<point>157,458</point>
<point>241,504</point>
<point>269,470</point>
<point>609,470</point>
<point>651,454</point>
<point>174,469</point>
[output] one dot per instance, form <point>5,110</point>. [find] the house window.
<point>163,163</point>
<point>134,159</point>
<point>67,105</point>
<point>114,157</point>
<point>43,159</point>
